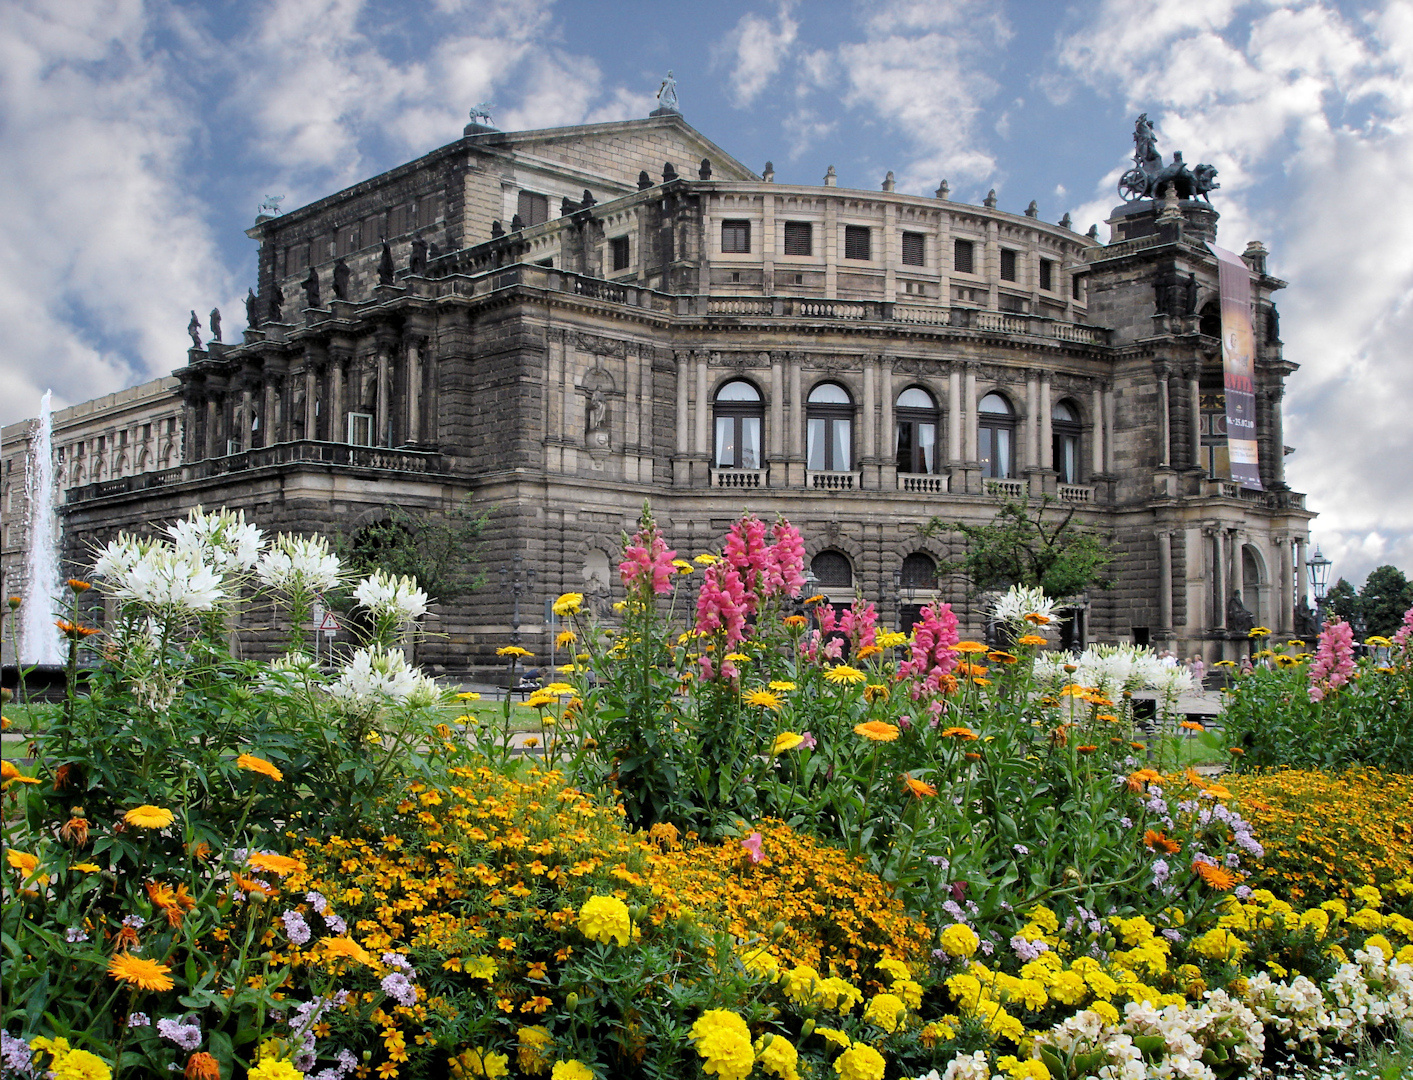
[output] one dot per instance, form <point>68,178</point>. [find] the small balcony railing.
<point>832,481</point>
<point>924,484</point>
<point>738,478</point>
<point>1006,489</point>
<point>1075,493</point>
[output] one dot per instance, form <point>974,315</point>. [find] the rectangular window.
<point>736,237</point>
<point>964,257</point>
<point>1074,287</point>
<point>400,220</point>
<point>360,429</point>
<point>857,244</point>
<point>914,249</point>
<point>428,210</point>
<point>1047,275</point>
<point>799,239</point>
<point>532,208</point>
<point>297,259</point>
<point>619,247</point>
<point>1008,265</point>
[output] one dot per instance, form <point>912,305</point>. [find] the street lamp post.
<point>1319,570</point>
<point>519,580</point>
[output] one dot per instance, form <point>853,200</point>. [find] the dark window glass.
<point>919,571</point>
<point>428,208</point>
<point>1008,265</point>
<point>533,208</point>
<point>619,246</point>
<point>347,240</point>
<point>832,570</point>
<point>1074,286</point>
<point>914,249</point>
<point>996,429</point>
<point>856,242</point>
<point>829,422</point>
<point>736,237</point>
<point>738,413</point>
<point>799,239</point>
<point>1047,275</point>
<point>917,419</point>
<point>963,257</point>
<point>1064,442</point>
<point>400,220</point>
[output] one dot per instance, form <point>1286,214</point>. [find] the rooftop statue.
<point>481,114</point>
<point>667,95</point>
<point>1150,178</point>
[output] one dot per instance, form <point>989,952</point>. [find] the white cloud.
<point>1308,114</point>
<point>759,48</point>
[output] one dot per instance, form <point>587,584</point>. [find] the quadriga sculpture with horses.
<point>1150,178</point>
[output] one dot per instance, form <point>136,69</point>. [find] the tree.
<point>1032,545</point>
<point>1386,595</point>
<point>1342,602</point>
<point>440,550</point>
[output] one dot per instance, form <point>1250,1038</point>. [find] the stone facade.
<point>685,332</point>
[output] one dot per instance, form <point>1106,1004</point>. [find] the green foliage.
<point>1342,601</point>
<point>439,550</point>
<point>1386,595</point>
<point>1032,545</point>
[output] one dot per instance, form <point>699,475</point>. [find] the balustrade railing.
<point>833,481</point>
<point>738,478</point>
<point>1075,493</point>
<point>924,484</point>
<point>1007,489</point>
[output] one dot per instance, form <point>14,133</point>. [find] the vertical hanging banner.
<point>1238,366</point>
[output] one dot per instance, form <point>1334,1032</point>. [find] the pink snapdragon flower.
<point>1405,632</point>
<point>933,657</point>
<point>754,850</point>
<point>789,558</point>
<point>860,623</point>
<point>721,604</point>
<point>1334,660</point>
<point>647,557</point>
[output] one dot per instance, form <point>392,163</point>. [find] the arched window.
<point>739,413</point>
<point>1210,319</point>
<point>832,570</point>
<point>1064,442</point>
<point>996,430</point>
<point>829,429</point>
<point>1252,580</point>
<point>917,431</point>
<point>919,571</point>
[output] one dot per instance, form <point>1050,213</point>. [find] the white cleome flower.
<point>120,556</point>
<point>1021,601</point>
<point>382,674</point>
<point>164,579</point>
<point>386,595</point>
<point>224,539</point>
<point>299,564</point>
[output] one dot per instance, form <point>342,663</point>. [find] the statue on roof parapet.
<point>215,324</point>
<point>252,310</point>
<point>194,329</point>
<point>667,98</point>
<point>1151,179</point>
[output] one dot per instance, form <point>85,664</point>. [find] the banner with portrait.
<point>1238,367</point>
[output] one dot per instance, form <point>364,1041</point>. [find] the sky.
<point>138,138</point>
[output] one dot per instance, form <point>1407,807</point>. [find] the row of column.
<point>879,392</point>
<point>1228,579</point>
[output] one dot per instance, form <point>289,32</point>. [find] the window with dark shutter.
<point>856,242</point>
<point>428,210</point>
<point>963,257</point>
<point>798,238</point>
<point>532,208</point>
<point>619,246</point>
<point>400,220</point>
<point>1008,265</point>
<point>736,237</point>
<point>1047,275</point>
<point>914,249</point>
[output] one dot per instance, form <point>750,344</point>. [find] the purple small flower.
<point>941,862</point>
<point>316,901</point>
<point>1126,822</point>
<point>16,1054</point>
<point>399,987</point>
<point>136,922</point>
<point>296,927</point>
<point>139,1019</point>
<point>1243,892</point>
<point>186,1034</point>
<point>1161,871</point>
<point>1173,935</point>
<point>75,934</point>
<point>1027,950</point>
<point>987,947</point>
<point>334,923</point>
<point>1020,849</point>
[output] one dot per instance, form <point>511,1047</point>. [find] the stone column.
<point>1096,406</point>
<point>970,420</point>
<point>1219,545</point>
<point>1277,435</point>
<point>1032,418</point>
<point>380,437</point>
<point>1301,573</point>
<point>1194,404</point>
<point>777,406</point>
<point>1165,583</point>
<point>414,390</point>
<point>797,412</point>
<point>870,405</point>
<point>1109,429</point>
<point>684,431</point>
<point>269,415</point>
<point>887,433</point>
<point>1286,624</point>
<point>703,448</point>
<point>311,399</point>
<point>1238,567</point>
<point>337,432</point>
<point>1164,423</point>
<point>1047,431</point>
<point>243,432</point>
<point>954,414</point>
<point>212,445</point>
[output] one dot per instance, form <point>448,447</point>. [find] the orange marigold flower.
<point>794,620</point>
<point>202,1066</point>
<point>964,733</point>
<point>67,775</point>
<point>275,864</point>
<point>148,816</point>
<point>127,939</point>
<point>877,731</point>
<point>1218,877</point>
<point>1036,619</point>
<point>1236,751</point>
<point>969,647</point>
<point>1000,656</point>
<point>876,692</point>
<point>1030,639</point>
<point>917,787</point>
<point>867,651</point>
<point>140,972</point>
<point>1191,725</point>
<point>78,586</point>
<point>1154,840</point>
<point>75,830</point>
<point>75,632</point>
<point>972,757</point>
<point>1087,748</point>
<point>251,763</point>
<point>1139,780</point>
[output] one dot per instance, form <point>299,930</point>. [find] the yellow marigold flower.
<point>468,695</point>
<point>566,637</point>
<point>860,1062</point>
<point>936,1032</point>
<point>886,1011</point>
<point>560,689</point>
<point>969,647</point>
<point>876,692</point>
<point>890,639</point>
<point>777,1056</point>
<point>843,673</point>
<point>781,686</point>
<point>706,559</point>
<point>274,864</point>
<point>959,940</point>
<point>79,1065</point>
<point>513,650</point>
<point>571,1070</point>
<point>140,972</point>
<point>1220,944</point>
<point>800,982</point>
<point>724,1042</point>
<point>837,994</point>
<point>877,731</point>
<point>148,817</point>
<point>1258,631</point>
<point>569,603</point>
<point>917,787</point>
<point>474,1061</point>
<point>1366,919</point>
<point>683,566</point>
<point>605,919</point>
<point>1015,1069</point>
<point>541,698</point>
<point>530,1051</point>
<point>254,764</point>
<point>786,740</point>
<point>738,658</point>
<point>88,868</point>
<point>762,699</point>
<point>834,1035</point>
<point>343,948</point>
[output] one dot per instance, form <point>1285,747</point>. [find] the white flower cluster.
<point>1021,601</point>
<point>1371,992</point>
<point>298,564</point>
<point>1112,669</point>
<point>388,596</point>
<point>223,539</point>
<point>376,674</point>
<point>158,576</point>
